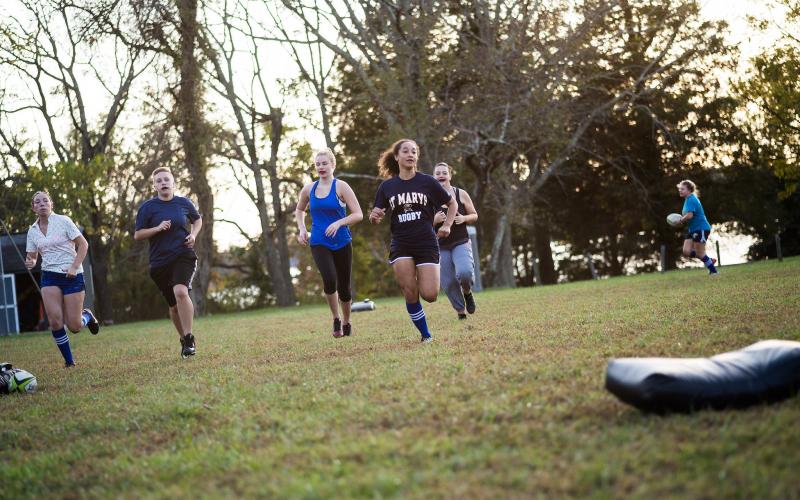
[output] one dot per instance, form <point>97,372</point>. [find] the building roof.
<point>12,263</point>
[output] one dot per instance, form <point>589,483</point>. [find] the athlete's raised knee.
<point>429,296</point>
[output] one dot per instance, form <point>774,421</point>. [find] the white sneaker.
<point>427,340</point>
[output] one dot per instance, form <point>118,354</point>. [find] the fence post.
<point>663,258</point>
<point>778,247</point>
<point>719,256</point>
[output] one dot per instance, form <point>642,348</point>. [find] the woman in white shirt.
<point>62,247</point>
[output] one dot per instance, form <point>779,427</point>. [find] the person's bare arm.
<point>472,215</point>
<point>145,233</point>
<point>81,249</point>
<point>300,214</point>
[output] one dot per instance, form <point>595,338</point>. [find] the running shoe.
<point>462,315</point>
<point>337,327</point>
<point>188,348</point>
<point>347,330</point>
<point>469,300</point>
<point>427,340</point>
<point>93,325</point>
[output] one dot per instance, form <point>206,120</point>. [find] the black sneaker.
<point>337,327</point>
<point>347,329</point>
<point>462,315</point>
<point>187,344</point>
<point>470,302</point>
<point>93,325</point>
<point>69,365</point>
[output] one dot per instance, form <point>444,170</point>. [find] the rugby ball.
<point>674,220</point>
<point>20,381</point>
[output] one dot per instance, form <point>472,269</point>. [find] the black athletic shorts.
<point>423,255</point>
<point>700,236</point>
<point>178,272</point>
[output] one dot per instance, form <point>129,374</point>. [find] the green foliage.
<point>508,404</point>
<point>773,86</point>
<point>72,186</point>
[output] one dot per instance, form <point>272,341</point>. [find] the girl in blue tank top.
<point>330,239</point>
<point>324,212</point>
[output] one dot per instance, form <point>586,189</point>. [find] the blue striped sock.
<point>85,318</point>
<point>417,315</point>
<point>709,264</point>
<point>693,254</point>
<point>62,341</point>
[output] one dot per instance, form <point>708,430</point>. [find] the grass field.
<point>509,403</point>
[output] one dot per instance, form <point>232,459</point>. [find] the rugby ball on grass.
<point>15,380</point>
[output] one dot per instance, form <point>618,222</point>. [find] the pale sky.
<point>233,205</point>
<point>733,11</point>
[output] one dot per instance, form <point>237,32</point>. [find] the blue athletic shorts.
<point>67,285</point>
<point>700,236</point>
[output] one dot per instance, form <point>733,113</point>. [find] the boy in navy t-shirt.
<point>172,223</point>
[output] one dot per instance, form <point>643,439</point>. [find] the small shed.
<point>21,307</point>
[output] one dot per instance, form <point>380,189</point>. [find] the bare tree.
<point>314,61</point>
<point>195,136</point>
<point>558,71</point>
<point>259,130</point>
<point>50,50</point>
<point>387,45</point>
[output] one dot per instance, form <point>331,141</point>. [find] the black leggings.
<point>335,267</point>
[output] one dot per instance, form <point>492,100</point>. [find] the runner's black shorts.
<point>423,255</point>
<point>178,272</point>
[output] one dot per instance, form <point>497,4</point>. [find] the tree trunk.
<point>547,270</point>
<point>193,137</point>
<point>100,255</point>
<point>590,264</point>
<point>505,270</point>
<point>501,263</point>
<point>270,253</point>
<point>281,275</point>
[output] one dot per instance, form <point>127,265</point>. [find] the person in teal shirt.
<point>694,245</point>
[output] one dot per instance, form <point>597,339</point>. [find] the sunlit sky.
<point>734,12</point>
<point>234,206</point>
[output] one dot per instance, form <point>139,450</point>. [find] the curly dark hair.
<point>387,163</point>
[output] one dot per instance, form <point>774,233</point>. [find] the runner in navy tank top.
<point>412,198</point>
<point>456,262</point>
<point>330,238</point>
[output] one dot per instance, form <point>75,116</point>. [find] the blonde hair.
<point>387,163</point>
<point>691,186</point>
<point>161,169</point>
<point>324,151</point>
<point>449,168</point>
